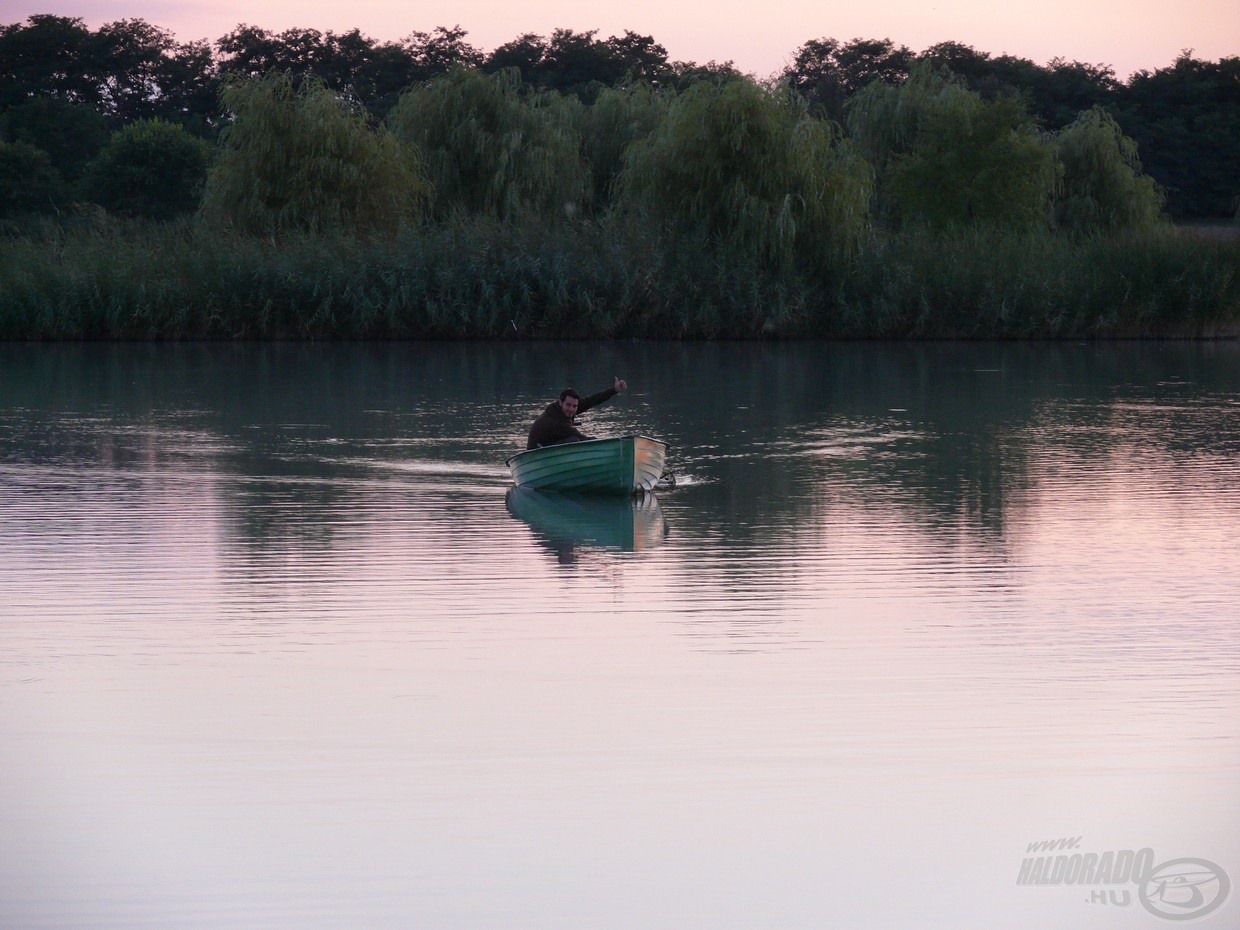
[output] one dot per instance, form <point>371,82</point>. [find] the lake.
<point>925,636</point>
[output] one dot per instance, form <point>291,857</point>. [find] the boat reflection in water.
<point>565,523</point>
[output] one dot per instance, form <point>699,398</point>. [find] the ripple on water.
<point>311,665</point>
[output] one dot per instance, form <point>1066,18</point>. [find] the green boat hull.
<point>622,465</point>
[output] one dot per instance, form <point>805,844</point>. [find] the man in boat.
<point>555,424</point>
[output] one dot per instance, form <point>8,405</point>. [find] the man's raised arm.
<point>602,396</point>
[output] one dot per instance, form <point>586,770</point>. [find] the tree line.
<point>127,117</point>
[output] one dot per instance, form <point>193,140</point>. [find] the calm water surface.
<point>279,648</point>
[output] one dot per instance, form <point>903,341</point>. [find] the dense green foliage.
<point>577,186</point>
<point>492,280</point>
<point>618,117</point>
<point>149,168</point>
<point>297,158</point>
<point>975,162</point>
<point>827,72</point>
<point>29,182</point>
<point>578,63</point>
<point>125,70</point>
<point>985,283</point>
<point>1103,187</point>
<point>71,134</point>
<point>753,172</point>
<point>947,157</point>
<point>490,150</point>
<point>1185,118</point>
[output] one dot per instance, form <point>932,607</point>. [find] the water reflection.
<point>566,523</point>
<point>946,429</point>
<point>280,647</point>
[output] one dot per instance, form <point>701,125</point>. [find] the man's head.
<point>569,401</point>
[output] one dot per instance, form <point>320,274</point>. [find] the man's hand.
<point>621,385</point>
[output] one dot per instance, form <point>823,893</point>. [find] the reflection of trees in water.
<point>267,519</point>
<point>969,409</point>
<point>945,438</point>
<point>275,525</point>
<point>948,428</point>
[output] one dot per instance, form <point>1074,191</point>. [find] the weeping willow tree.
<point>947,157</point>
<point>884,120</point>
<point>755,172</point>
<point>1103,186</point>
<point>618,117</point>
<point>490,150</point>
<point>300,158</point>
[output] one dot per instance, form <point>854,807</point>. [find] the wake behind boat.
<point>619,465</point>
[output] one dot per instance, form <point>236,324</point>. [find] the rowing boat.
<point>619,465</point>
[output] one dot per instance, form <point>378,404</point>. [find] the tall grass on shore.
<point>982,284</point>
<point>470,279</point>
<point>487,279</point>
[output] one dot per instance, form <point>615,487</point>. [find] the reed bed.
<point>990,284</point>
<point>491,279</point>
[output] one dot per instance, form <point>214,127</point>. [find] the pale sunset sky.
<point>1129,35</point>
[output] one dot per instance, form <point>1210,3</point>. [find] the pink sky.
<point>1129,35</point>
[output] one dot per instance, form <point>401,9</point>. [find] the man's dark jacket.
<point>552,426</point>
